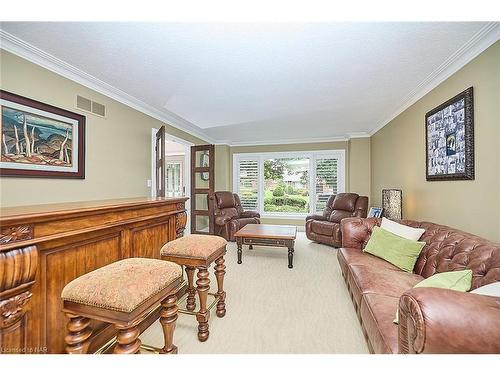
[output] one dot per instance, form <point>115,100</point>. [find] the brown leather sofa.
<point>431,320</point>
<point>326,228</point>
<point>229,216</point>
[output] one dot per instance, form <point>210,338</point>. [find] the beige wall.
<point>222,168</point>
<point>118,147</point>
<point>359,166</point>
<point>357,159</point>
<point>398,155</point>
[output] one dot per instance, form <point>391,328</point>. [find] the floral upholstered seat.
<point>198,246</point>
<point>123,285</point>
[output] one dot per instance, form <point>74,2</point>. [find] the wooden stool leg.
<point>203,286</point>
<point>220,271</point>
<point>78,333</point>
<point>127,340</point>
<point>191,290</point>
<point>168,315</point>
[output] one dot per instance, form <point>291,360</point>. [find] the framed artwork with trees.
<point>40,140</point>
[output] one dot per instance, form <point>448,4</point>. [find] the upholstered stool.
<point>198,251</point>
<point>122,293</point>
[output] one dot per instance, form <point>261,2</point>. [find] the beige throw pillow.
<point>492,289</point>
<point>401,230</point>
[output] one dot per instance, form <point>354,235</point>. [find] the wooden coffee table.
<point>267,235</point>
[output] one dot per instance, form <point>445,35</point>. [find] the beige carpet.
<point>273,309</point>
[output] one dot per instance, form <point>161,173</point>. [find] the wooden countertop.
<point>63,209</point>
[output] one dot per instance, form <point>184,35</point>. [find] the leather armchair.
<point>228,214</point>
<point>326,228</point>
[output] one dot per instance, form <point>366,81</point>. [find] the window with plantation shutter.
<point>291,184</point>
<point>248,186</point>
<point>326,180</point>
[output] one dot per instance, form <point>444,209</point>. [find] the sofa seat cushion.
<point>382,281</point>
<point>324,228</point>
<point>377,314</point>
<point>348,256</point>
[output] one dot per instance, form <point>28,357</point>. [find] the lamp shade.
<point>392,203</point>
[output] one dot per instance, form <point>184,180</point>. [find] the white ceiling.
<point>261,83</point>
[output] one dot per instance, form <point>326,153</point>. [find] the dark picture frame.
<point>40,140</point>
<point>449,139</point>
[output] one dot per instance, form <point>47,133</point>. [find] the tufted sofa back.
<point>446,249</point>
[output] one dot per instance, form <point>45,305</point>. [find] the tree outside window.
<point>286,185</point>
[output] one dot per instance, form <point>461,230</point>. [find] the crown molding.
<point>483,39</point>
<point>358,135</point>
<point>289,141</point>
<point>19,47</point>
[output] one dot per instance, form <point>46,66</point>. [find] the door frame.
<point>187,169</point>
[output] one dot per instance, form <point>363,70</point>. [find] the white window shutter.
<point>326,180</point>
<point>248,180</point>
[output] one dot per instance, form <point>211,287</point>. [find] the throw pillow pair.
<point>396,243</point>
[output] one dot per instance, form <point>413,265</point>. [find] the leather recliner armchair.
<point>228,214</point>
<point>326,228</point>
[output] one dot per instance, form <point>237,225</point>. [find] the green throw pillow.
<point>401,252</point>
<point>460,281</point>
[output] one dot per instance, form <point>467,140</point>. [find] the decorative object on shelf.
<point>449,135</point>
<point>375,212</point>
<point>39,140</point>
<point>392,203</point>
<point>204,162</point>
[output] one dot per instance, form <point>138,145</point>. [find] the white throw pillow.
<point>401,230</point>
<point>492,289</point>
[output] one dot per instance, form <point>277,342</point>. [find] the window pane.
<point>174,179</point>
<point>326,181</point>
<point>249,184</point>
<point>202,158</point>
<point>286,185</point>
<point>201,223</point>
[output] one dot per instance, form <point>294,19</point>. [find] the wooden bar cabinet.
<point>44,247</point>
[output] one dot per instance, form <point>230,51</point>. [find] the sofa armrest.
<point>433,320</point>
<point>316,217</point>
<point>249,214</point>
<point>357,231</point>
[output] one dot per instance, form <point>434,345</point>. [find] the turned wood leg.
<point>78,333</point>
<point>168,318</point>
<point>220,271</point>
<point>191,290</point>
<point>203,286</point>
<point>239,244</point>
<point>127,340</point>
<point>290,257</point>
